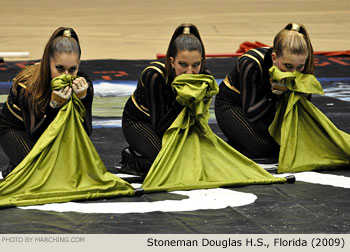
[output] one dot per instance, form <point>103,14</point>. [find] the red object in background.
<point>208,55</point>
<point>333,53</point>
<point>246,46</point>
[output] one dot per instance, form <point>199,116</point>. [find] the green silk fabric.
<point>192,156</point>
<point>308,139</point>
<point>63,165</point>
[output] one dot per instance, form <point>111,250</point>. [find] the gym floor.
<point>138,29</point>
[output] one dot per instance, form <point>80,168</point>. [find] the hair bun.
<point>295,27</point>
<point>186,30</point>
<point>67,33</point>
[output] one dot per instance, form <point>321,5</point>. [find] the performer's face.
<point>64,63</point>
<point>289,62</point>
<point>186,62</point>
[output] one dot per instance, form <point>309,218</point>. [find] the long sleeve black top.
<point>19,115</point>
<point>154,101</point>
<point>250,78</point>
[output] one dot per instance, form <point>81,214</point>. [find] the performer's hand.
<point>80,87</point>
<point>278,88</point>
<point>60,97</point>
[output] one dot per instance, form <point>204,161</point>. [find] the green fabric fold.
<point>192,156</point>
<point>308,139</point>
<point>63,165</point>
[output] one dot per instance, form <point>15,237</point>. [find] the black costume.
<point>148,113</point>
<point>246,106</point>
<point>20,127</point>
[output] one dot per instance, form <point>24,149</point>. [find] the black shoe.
<point>8,170</point>
<point>271,160</point>
<point>129,164</point>
<point>127,153</point>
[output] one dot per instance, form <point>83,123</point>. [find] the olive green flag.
<point>192,156</point>
<point>308,139</point>
<point>63,165</point>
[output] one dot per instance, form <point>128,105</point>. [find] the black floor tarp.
<point>302,207</point>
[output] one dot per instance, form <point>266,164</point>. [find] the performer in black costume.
<point>246,103</point>
<point>31,104</point>
<point>152,108</point>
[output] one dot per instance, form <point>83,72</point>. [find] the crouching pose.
<point>246,104</point>
<point>152,108</point>
<point>31,104</point>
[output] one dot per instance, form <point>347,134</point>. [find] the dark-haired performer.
<point>31,104</point>
<point>152,108</point>
<point>246,103</point>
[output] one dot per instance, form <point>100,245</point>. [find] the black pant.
<point>16,145</point>
<point>250,138</point>
<point>141,139</point>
